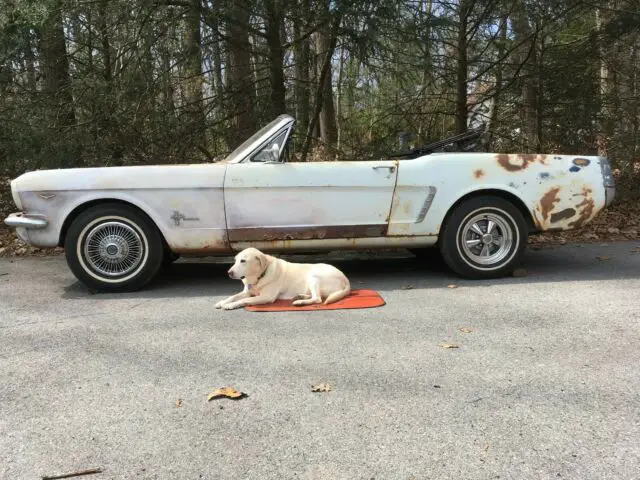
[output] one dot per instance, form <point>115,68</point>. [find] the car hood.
<point>116,178</point>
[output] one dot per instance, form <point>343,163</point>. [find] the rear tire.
<point>113,248</point>
<point>484,237</point>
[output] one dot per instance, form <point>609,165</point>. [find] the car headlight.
<point>14,194</point>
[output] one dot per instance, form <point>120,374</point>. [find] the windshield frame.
<point>258,139</point>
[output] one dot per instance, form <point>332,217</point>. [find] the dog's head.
<point>249,264</point>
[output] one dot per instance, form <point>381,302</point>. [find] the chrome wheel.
<point>486,238</point>
<point>113,249</point>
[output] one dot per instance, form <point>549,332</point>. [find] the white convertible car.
<point>119,225</point>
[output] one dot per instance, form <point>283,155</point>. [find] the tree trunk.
<point>30,65</point>
<point>462,69</point>
<point>325,71</point>
<point>339,99</point>
<point>274,27</point>
<point>168,92</point>
<point>193,64</point>
<point>240,78</point>
<point>604,120</point>
<point>302,55</point>
<point>324,39</point>
<point>217,57</point>
<point>527,58</point>
<point>427,76</point>
<point>497,95</point>
<point>55,67</point>
<point>104,40</point>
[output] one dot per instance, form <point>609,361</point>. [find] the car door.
<point>308,201</point>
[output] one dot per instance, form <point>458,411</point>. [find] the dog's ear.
<point>261,261</point>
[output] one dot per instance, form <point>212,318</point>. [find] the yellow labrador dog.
<point>267,279</point>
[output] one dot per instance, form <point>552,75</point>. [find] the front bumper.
<point>21,220</point>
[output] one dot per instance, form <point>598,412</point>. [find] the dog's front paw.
<point>220,304</point>
<point>230,306</point>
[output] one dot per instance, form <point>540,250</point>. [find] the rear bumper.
<point>21,220</point>
<point>609,195</point>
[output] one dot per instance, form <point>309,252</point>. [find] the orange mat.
<point>356,299</point>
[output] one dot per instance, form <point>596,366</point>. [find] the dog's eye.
<point>242,261</point>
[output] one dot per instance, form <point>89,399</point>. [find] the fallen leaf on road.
<point>453,285</point>
<point>519,272</point>
<point>408,287</point>
<point>603,257</point>
<point>3,274</point>
<point>635,250</point>
<point>449,345</point>
<point>321,387</point>
<point>227,392</point>
<point>178,403</point>
<point>465,330</point>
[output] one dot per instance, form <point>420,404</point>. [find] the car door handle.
<point>390,167</point>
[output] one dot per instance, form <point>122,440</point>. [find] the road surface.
<point>545,385</point>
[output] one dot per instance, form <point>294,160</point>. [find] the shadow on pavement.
<point>204,277</point>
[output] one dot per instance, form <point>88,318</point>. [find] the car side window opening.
<point>272,151</point>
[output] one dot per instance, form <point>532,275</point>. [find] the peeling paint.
<point>586,208</point>
<point>548,202</point>
<point>261,234</point>
<point>516,163</point>
<point>562,215</point>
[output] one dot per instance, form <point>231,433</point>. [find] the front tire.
<point>113,248</point>
<point>484,237</point>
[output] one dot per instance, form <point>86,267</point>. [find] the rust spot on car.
<point>548,202</point>
<point>516,163</point>
<point>205,249</point>
<point>586,208</point>
<point>259,234</point>
<point>562,215</point>
<point>479,173</point>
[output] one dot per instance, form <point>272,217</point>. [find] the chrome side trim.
<point>427,204</point>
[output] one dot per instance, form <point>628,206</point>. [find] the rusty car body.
<point>118,225</point>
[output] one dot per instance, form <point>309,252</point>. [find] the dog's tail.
<point>339,295</point>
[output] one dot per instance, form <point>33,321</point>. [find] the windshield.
<point>252,139</point>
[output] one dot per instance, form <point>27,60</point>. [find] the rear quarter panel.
<point>560,192</point>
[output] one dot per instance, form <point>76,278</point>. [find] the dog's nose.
<point>230,273</point>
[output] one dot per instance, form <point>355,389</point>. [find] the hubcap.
<point>113,249</point>
<point>487,238</point>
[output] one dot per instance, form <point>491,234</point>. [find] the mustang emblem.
<point>178,217</point>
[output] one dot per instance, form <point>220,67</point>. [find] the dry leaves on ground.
<point>178,403</point>
<point>449,345</point>
<point>465,330</point>
<point>603,258</point>
<point>226,392</point>
<point>453,285</point>
<point>321,387</point>
<point>408,287</point>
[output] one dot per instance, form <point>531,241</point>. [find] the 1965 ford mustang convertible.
<point>119,225</point>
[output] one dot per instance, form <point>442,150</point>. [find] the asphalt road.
<point>546,384</point>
